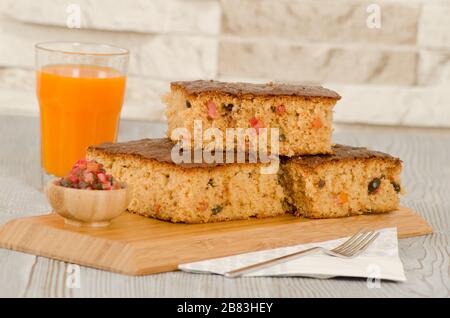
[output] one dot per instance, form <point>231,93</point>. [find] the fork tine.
<point>349,241</point>
<point>356,247</point>
<point>367,244</point>
<point>355,238</point>
<point>349,248</point>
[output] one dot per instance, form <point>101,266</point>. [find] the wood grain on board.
<point>136,245</point>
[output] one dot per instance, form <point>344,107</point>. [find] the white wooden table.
<point>426,154</point>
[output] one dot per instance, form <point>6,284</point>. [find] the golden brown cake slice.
<point>350,182</point>
<point>189,192</point>
<point>302,114</point>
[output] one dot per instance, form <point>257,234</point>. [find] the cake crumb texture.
<point>353,181</point>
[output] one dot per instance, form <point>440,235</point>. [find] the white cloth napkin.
<point>379,261</point>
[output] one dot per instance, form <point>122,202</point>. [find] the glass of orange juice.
<point>80,88</point>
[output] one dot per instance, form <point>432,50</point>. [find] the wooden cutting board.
<point>137,245</point>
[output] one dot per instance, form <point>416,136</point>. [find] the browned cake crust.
<point>241,89</point>
<point>158,149</point>
<point>343,153</point>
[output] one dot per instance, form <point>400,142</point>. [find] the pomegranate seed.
<point>102,178</point>
<point>212,110</point>
<point>89,177</point>
<point>74,179</point>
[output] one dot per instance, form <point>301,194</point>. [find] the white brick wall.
<point>328,21</point>
<point>384,105</point>
<point>317,63</point>
<point>145,16</point>
<point>397,75</point>
<point>434,24</point>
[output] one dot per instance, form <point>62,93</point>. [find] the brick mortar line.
<point>274,41</point>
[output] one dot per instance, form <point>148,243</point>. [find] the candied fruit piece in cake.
<point>352,181</point>
<point>302,114</point>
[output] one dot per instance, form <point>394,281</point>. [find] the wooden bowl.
<point>91,208</point>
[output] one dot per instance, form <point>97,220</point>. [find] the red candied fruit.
<point>89,175</point>
<point>256,123</point>
<point>280,110</point>
<point>212,110</point>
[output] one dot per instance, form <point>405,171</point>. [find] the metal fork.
<point>351,248</point>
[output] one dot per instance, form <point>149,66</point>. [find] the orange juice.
<point>79,106</point>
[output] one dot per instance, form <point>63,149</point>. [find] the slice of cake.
<point>189,192</point>
<point>351,181</point>
<point>302,114</point>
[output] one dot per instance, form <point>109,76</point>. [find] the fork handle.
<point>271,262</point>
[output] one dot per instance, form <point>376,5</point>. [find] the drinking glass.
<point>80,88</point>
